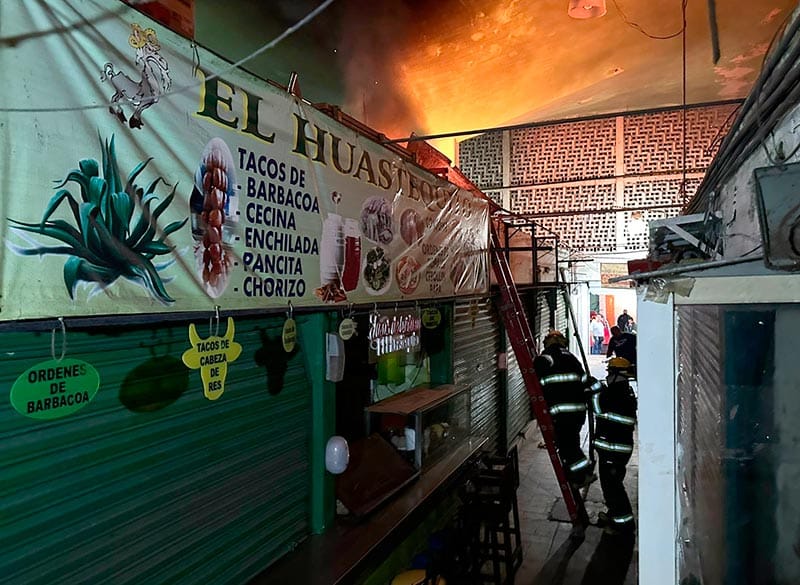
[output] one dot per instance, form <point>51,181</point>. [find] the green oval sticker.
<point>53,389</point>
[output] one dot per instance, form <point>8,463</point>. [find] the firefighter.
<point>565,385</point>
<point>615,418</point>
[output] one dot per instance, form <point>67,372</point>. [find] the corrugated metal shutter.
<point>197,492</point>
<point>562,313</point>
<point>518,406</point>
<point>518,403</point>
<point>550,312</point>
<point>700,404</point>
<point>544,315</point>
<point>476,343</point>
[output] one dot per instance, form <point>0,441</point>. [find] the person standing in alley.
<point>623,321</point>
<point>623,345</point>
<point>606,332</point>
<point>565,385</point>
<point>614,409</point>
<point>596,329</point>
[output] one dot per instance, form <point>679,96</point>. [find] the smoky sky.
<point>372,39</point>
<point>350,55</point>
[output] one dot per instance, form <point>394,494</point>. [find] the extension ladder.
<point>519,332</point>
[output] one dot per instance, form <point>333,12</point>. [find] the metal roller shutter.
<point>700,403</point>
<point>196,492</point>
<point>544,316</point>
<point>476,343</point>
<point>518,403</point>
<point>562,322</point>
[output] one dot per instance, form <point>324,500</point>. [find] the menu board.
<point>145,175</point>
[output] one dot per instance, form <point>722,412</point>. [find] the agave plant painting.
<point>115,233</point>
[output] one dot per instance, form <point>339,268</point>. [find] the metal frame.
<point>512,225</point>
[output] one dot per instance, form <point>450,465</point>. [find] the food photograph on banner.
<point>200,185</point>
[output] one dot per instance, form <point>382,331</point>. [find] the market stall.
<point>178,275</point>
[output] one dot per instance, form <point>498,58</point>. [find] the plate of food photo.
<point>376,220</point>
<point>407,274</point>
<point>377,272</point>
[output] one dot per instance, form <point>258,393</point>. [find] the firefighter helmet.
<point>555,337</point>
<point>618,364</point>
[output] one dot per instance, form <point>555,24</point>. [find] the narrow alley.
<point>298,292</point>
<point>550,556</point>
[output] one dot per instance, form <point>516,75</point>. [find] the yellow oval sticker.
<point>431,318</point>
<point>347,328</point>
<point>289,336</point>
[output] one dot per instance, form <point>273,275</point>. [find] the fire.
<point>453,66</point>
<point>452,70</point>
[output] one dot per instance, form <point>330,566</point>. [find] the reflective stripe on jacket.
<point>615,417</point>
<point>563,382</point>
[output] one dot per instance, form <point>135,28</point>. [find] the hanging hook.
<point>290,312</point>
<point>214,319</point>
<point>350,311</point>
<point>63,340</point>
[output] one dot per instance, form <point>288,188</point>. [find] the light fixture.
<point>586,8</point>
<point>337,455</point>
<point>637,226</point>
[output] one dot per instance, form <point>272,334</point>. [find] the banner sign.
<point>141,175</point>
<point>613,270</point>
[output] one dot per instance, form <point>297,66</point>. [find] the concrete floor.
<point>550,557</point>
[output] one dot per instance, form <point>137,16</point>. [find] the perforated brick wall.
<point>558,198</point>
<point>587,233</point>
<point>496,196</point>
<point>570,168</point>
<point>639,240</point>
<point>563,152</point>
<point>654,142</point>
<point>650,192</point>
<point>655,191</point>
<point>481,159</point>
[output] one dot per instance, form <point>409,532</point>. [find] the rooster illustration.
<point>155,79</point>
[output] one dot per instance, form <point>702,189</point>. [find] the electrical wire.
<point>750,251</point>
<point>639,28</point>
<point>779,81</point>
<point>768,53</point>
<point>721,131</point>
<point>286,33</point>
<point>683,190</point>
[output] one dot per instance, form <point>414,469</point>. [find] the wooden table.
<point>337,555</point>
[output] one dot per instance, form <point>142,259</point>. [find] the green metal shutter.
<point>476,343</point>
<point>197,492</point>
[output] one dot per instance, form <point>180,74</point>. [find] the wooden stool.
<point>500,540</point>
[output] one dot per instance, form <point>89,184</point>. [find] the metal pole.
<point>534,256</point>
